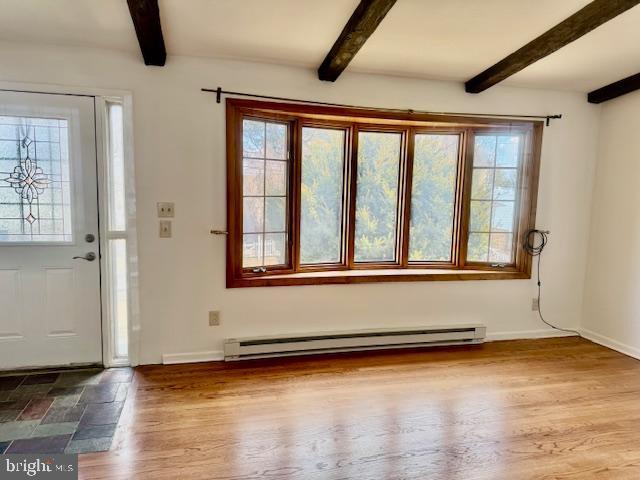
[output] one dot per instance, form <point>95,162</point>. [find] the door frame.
<point>101,97</point>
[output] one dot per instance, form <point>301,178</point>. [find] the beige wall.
<point>612,288</point>
<point>180,155</point>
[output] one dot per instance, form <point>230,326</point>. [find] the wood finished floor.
<point>539,409</point>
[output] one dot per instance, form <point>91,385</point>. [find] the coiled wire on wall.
<point>535,250</point>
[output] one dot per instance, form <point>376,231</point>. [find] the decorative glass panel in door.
<point>35,197</point>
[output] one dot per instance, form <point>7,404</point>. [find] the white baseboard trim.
<point>527,334</point>
<point>610,343</point>
<point>193,357</point>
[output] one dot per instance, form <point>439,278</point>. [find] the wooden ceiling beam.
<point>615,89</point>
<point>146,20</point>
<point>363,22</point>
<point>580,23</point>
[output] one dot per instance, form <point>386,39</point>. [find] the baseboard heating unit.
<point>353,340</point>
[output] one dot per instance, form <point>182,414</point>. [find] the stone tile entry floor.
<point>74,411</point>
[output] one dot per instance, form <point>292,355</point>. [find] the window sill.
<point>373,276</point>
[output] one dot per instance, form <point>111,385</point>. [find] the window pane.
<point>321,201</point>
<point>252,250</point>
<point>505,184</point>
<point>265,171</point>
<point>485,151</point>
<point>253,138</point>
<point>500,247</point>
<point>478,247</point>
<point>480,216</point>
<point>508,151</point>
<point>117,213</point>
<point>275,215</point>
<point>377,196</point>
<point>274,249</point>
<point>433,197</point>
<point>118,296</point>
<point>502,217</point>
<point>253,177</point>
<point>482,184</point>
<point>492,221</point>
<point>276,182</point>
<point>253,214</point>
<point>276,140</point>
<point>35,186</point>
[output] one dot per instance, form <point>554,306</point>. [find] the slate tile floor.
<point>72,412</point>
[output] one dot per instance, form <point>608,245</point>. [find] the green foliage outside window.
<point>377,196</point>
<point>433,197</point>
<point>321,195</point>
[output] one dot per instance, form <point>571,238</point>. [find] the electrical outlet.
<point>166,210</point>
<point>214,318</point>
<point>535,305</point>
<point>165,229</point>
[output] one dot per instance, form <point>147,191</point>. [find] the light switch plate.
<point>165,228</point>
<point>214,318</point>
<point>166,210</point>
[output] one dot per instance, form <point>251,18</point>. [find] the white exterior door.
<point>49,248</point>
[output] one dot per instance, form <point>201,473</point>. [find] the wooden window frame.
<point>352,121</point>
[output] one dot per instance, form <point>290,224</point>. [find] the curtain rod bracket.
<point>218,94</point>
<point>550,117</point>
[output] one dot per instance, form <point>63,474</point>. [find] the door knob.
<point>89,257</point>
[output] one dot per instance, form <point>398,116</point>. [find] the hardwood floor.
<point>540,409</point>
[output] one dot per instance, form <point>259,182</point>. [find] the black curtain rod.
<point>219,92</point>
<point>64,94</point>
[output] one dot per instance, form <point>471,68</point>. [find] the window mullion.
<point>351,197</point>
<point>346,254</point>
<point>458,234</point>
<point>404,218</point>
<point>295,164</point>
<point>465,210</point>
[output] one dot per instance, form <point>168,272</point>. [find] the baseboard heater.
<point>354,340</point>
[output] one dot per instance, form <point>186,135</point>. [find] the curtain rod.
<point>219,92</point>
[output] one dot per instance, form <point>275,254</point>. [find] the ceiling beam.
<point>146,20</point>
<point>363,22</point>
<point>580,23</point>
<point>615,89</point>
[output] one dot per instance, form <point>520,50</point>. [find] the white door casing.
<point>50,310</point>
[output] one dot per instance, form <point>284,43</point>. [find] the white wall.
<point>180,155</point>
<point>612,287</point>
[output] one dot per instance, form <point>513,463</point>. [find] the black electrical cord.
<point>536,251</point>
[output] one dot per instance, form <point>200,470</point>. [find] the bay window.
<point>336,195</point>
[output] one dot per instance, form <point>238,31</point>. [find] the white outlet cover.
<point>166,209</point>
<point>535,304</point>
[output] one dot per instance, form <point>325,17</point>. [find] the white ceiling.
<point>455,39</point>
